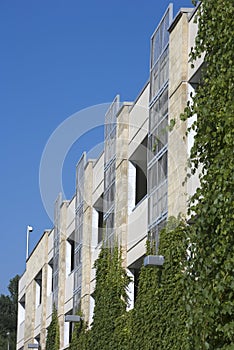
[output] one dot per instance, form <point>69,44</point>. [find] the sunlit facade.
<point>123,197</point>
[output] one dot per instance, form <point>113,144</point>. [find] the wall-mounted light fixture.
<point>154,260</point>
<point>33,346</point>
<point>73,318</point>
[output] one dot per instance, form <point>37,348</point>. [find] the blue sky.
<point>57,58</point>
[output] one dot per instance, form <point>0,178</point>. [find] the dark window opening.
<point>38,280</point>
<point>72,254</point>
<point>38,338</point>
<point>22,301</point>
<point>141,184</point>
<point>98,206</point>
<point>136,283</point>
<point>198,77</point>
<point>139,160</point>
<point>70,331</point>
<point>100,226</point>
<point>51,264</point>
<point>135,269</point>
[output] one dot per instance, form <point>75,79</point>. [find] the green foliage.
<point>123,331</point>
<point>159,315</point>
<point>110,299</point>
<point>172,315</point>
<point>145,312</point>
<point>189,303</point>
<point>210,278</point>
<point>53,335</point>
<point>8,314</point>
<point>80,337</point>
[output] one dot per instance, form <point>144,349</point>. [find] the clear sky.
<point>58,57</point>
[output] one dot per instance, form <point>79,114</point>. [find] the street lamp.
<point>29,229</point>
<point>8,343</point>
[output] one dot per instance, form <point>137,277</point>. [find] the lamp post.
<point>29,229</point>
<point>8,343</point>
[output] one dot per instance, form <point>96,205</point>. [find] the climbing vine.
<point>172,314</point>
<point>53,335</point>
<point>188,303</point>
<point>80,337</point>
<point>210,281</point>
<point>144,314</point>
<point>110,298</point>
<point>159,315</point>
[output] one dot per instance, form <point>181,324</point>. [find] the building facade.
<point>123,197</point>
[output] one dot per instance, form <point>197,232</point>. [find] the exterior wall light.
<point>154,260</point>
<point>73,318</point>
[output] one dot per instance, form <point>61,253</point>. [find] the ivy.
<point>110,299</point>
<point>80,337</point>
<point>210,281</point>
<point>123,331</point>
<point>144,314</point>
<point>173,245</point>
<point>53,335</point>
<point>188,303</point>
<point>159,316</point>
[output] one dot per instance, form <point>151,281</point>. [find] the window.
<point>50,278</point>
<point>38,280</point>
<point>158,110</point>
<point>139,172</point>
<point>158,172</point>
<point>70,254</point>
<point>110,224</point>
<point>76,301</point>
<point>98,208</point>
<point>157,204</point>
<point>154,233</point>
<point>100,226</point>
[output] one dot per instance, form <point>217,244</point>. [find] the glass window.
<point>157,173</point>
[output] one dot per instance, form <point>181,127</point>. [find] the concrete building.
<point>124,196</point>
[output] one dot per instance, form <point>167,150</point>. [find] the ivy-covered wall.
<point>110,298</point>
<point>210,288</point>
<point>80,337</point>
<point>188,303</point>
<point>159,316</point>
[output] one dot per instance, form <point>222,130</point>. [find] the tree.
<point>210,283</point>
<point>8,314</point>
<point>53,335</point>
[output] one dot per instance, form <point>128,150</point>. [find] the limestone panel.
<point>178,54</point>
